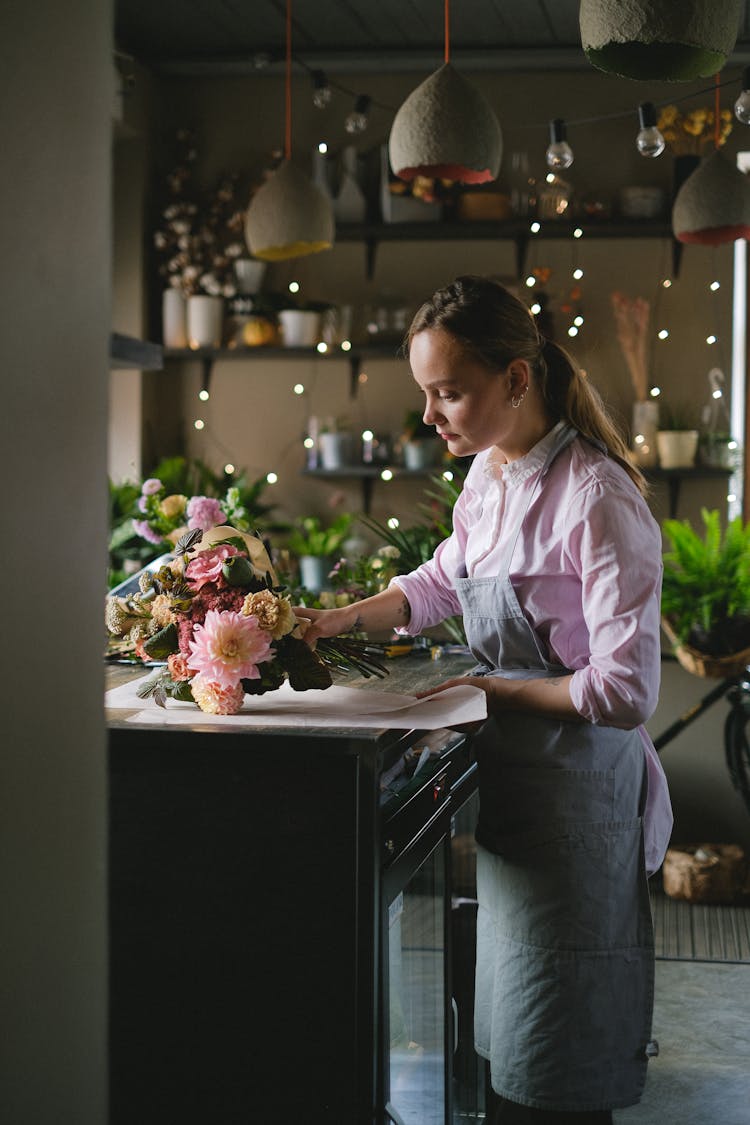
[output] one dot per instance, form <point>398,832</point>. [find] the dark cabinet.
<point>256,881</point>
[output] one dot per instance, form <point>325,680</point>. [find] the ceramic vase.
<point>313,572</point>
<point>174,319</point>
<point>677,448</point>
<point>300,328</point>
<point>205,321</point>
<point>335,450</point>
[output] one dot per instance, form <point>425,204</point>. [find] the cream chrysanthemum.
<point>162,612</point>
<point>274,615</point>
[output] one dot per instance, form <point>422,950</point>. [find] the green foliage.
<point>706,585</point>
<point>416,544</point>
<point>308,536</point>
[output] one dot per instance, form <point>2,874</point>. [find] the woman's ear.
<point>519,377</point>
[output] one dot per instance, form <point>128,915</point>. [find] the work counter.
<point>255,882</point>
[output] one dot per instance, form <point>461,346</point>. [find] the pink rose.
<point>204,513</point>
<point>206,567</point>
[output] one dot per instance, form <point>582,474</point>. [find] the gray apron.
<point>564,978</point>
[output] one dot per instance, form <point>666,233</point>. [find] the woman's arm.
<point>387,610</point>
<point>548,696</point>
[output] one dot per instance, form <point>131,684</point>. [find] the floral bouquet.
<point>167,517</point>
<point>216,615</point>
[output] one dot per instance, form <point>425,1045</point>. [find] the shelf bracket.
<point>207,366</point>
<point>677,248</point>
<point>355,364</point>
<point>371,249</point>
<point>522,245</point>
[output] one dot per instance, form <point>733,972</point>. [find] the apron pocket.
<point>566,886</point>
<point>513,799</point>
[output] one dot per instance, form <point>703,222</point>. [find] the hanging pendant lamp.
<point>713,204</point>
<point>446,129</point>
<point>288,216</point>
<point>672,40</point>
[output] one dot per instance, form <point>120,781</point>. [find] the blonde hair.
<point>497,328</point>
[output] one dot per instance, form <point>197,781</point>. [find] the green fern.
<point>706,585</point>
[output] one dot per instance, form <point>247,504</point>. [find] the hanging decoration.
<point>672,40</point>
<point>713,204</point>
<point>446,129</point>
<point>288,216</point>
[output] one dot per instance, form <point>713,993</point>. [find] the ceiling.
<point>247,36</point>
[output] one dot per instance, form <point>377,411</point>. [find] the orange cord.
<point>717,124</point>
<point>288,84</point>
<point>447,30</point>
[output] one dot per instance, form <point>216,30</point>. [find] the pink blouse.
<point>586,569</point>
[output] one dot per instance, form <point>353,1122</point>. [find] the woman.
<point>555,563</point>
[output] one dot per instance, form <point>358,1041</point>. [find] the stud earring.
<point>516,401</point>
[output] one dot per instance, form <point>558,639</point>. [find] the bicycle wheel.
<point>736,747</point>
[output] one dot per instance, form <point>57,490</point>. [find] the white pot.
<point>335,450</point>
<point>249,273</point>
<point>645,427</point>
<point>299,328</point>
<point>205,321</point>
<point>677,448</point>
<point>174,319</point>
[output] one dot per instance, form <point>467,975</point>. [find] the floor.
<point>702,1024</point>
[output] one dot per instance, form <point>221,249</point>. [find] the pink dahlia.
<point>204,512</point>
<point>206,567</point>
<point>228,648</point>
<point>215,699</point>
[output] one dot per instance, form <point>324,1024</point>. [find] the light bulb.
<point>742,105</point>
<point>559,152</point>
<point>321,90</point>
<point>357,120</point>
<point>649,141</point>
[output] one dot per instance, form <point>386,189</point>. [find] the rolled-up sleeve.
<point>430,589</point>
<point>615,545</point>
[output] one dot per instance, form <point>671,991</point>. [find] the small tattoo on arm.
<point>357,624</point>
<point>405,609</point>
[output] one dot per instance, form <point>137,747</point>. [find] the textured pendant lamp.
<point>713,205</point>
<point>446,129</point>
<point>288,216</point>
<point>673,40</point>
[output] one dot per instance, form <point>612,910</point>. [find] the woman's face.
<point>468,405</point>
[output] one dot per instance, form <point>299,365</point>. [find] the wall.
<point>56,92</point>
<point>254,419</point>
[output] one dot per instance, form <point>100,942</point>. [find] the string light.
<point>559,152</point>
<point>714,286</point>
<point>531,281</point>
<point>742,105</point>
<point>536,308</point>
<point>655,392</point>
<point>293,287</point>
<point>358,120</point>
<point>387,474</point>
<point>322,347</point>
<point>199,423</point>
<point>346,345</point>
<point>535,227</point>
<point>448,475</point>
<point>649,141</point>
<point>663,334</point>
<point>204,395</point>
<point>298,389</point>
<point>322,92</point>
<point>393,523</point>
<point>229,469</point>
<point>578,273</point>
<point>272,478</point>
<point>666,283</point>
<point>712,340</point>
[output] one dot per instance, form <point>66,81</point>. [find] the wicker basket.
<point>702,664</point>
<point>705,872</point>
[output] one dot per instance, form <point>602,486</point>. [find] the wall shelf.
<point>674,478</point>
<point>515,230</point>
<point>359,352</point>
<point>367,475</point>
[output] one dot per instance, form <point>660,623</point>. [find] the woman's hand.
<point>325,622</point>
<point>548,696</point>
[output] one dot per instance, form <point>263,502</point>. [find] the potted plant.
<point>315,546</point>
<point>419,442</point>
<point>706,594</point>
<point>677,436</point>
<point>335,444</point>
<point>718,450</point>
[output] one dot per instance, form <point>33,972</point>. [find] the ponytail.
<point>568,394</point>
